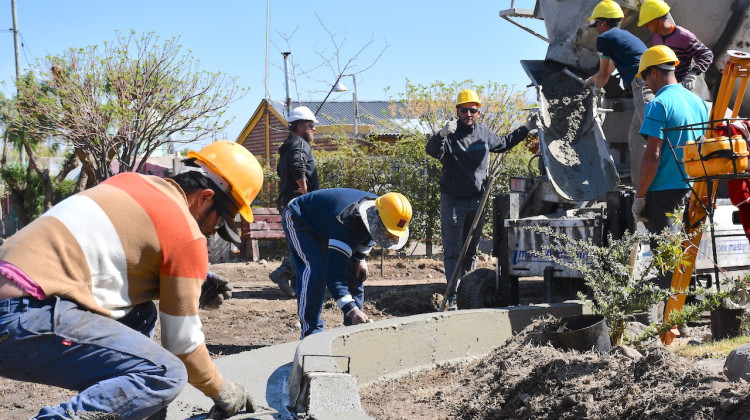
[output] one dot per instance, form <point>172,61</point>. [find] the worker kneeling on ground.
<point>330,232</point>
<point>77,287</point>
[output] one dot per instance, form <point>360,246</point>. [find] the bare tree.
<point>334,63</point>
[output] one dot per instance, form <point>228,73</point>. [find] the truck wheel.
<point>477,290</point>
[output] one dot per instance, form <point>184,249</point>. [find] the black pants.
<point>658,204</point>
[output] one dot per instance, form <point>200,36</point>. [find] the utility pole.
<point>265,79</point>
<point>17,54</point>
<point>18,60</point>
<point>15,41</point>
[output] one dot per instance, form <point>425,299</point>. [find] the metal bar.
<point>694,217</point>
<point>495,170</point>
<point>542,37</point>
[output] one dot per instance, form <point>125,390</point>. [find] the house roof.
<point>332,113</point>
<point>342,112</point>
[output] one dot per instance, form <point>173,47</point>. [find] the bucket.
<point>725,323</point>
<point>579,332</point>
<point>715,156</point>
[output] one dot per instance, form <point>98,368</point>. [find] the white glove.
<point>450,128</point>
<point>532,121</point>
<point>589,83</point>
<point>689,81</point>
<point>639,205</point>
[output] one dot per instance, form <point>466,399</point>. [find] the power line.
<point>25,49</point>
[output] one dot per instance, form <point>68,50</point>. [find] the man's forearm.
<point>302,184</point>
<point>649,165</point>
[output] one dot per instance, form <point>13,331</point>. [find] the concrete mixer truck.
<point>584,188</point>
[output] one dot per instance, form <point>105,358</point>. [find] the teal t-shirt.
<point>673,106</point>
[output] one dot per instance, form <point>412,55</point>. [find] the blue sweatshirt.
<point>333,216</point>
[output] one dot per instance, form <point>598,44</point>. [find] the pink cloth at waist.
<point>14,274</point>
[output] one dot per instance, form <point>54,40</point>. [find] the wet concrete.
<point>575,153</point>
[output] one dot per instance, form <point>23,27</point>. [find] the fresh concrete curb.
<point>365,353</point>
<point>321,374</point>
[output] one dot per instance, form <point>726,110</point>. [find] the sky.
<point>422,41</point>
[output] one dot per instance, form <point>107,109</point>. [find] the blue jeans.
<point>116,366</point>
<point>310,259</point>
<point>456,216</point>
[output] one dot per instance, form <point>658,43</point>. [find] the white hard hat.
<point>302,113</point>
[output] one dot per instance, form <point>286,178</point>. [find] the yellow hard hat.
<point>395,212</point>
<point>467,96</point>
<point>650,10</point>
<point>607,9</point>
<point>658,54</point>
<point>238,167</point>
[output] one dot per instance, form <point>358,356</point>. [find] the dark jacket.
<point>465,156</point>
<point>296,161</point>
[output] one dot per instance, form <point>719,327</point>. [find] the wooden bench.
<point>267,225</point>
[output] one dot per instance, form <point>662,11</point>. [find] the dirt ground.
<point>525,378</point>
<point>528,379</point>
<point>260,315</point>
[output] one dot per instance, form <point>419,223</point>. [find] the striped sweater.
<point>127,241</point>
<point>688,49</point>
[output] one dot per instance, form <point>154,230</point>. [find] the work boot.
<point>283,283</point>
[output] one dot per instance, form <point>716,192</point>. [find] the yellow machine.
<point>705,161</point>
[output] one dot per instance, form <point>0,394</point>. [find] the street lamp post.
<point>341,88</point>
<point>286,84</point>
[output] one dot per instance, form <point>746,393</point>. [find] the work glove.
<point>361,271</point>
<point>639,205</point>
<point>450,128</point>
<point>589,83</point>
<point>532,121</point>
<point>214,291</point>
<point>232,399</point>
<point>689,81</point>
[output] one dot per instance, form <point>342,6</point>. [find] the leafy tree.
<point>363,165</point>
<point>31,187</point>
<point>121,101</point>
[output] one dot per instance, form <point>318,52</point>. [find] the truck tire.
<point>477,290</point>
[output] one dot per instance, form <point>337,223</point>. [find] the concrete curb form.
<point>327,365</point>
